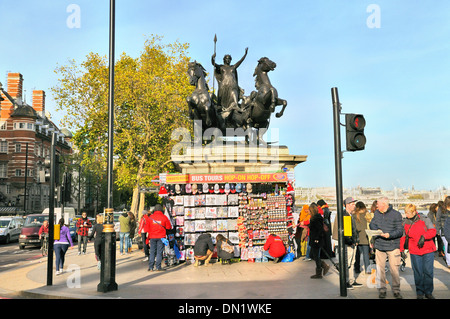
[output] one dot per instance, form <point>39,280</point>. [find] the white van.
<point>69,214</point>
<point>10,228</point>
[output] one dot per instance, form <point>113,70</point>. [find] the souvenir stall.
<point>245,208</point>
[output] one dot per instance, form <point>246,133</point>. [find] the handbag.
<point>406,243</point>
<point>227,247</point>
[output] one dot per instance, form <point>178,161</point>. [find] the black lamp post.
<point>108,255</point>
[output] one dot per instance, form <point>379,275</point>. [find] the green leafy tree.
<point>150,102</point>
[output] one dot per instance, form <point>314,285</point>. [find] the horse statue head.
<point>195,72</point>
<point>264,65</point>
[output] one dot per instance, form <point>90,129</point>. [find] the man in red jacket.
<point>274,248</point>
<point>155,227</point>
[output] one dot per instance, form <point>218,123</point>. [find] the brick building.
<point>25,141</point>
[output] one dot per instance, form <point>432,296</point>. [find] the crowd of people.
<point>380,234</point>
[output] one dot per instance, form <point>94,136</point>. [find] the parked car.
<point>73,229</point>
<point>10,228</point>
<point>29,236</point>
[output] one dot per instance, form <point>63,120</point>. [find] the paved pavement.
<point>236,281</point>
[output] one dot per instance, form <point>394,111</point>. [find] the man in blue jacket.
<point>387,245</point>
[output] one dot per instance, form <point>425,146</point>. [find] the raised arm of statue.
<point>238,63</point>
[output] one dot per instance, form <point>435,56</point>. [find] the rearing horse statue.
<point>199,102</point>
<point>265,99</point>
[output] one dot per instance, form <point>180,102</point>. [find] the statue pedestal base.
<point>236,159</point>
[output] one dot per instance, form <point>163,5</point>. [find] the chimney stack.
<point>39,102</point>
<point>14,89</point>
<point>15,85</point>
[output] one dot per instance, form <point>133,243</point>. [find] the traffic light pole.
<point>51,213</point>
<point>339,192</point>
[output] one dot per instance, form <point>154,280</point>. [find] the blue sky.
<point>396,75</point>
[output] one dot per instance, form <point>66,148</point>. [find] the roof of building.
<point>24,111</point>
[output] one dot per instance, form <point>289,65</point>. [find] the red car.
<point>30,230</point>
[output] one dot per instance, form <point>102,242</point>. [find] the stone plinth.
<point>235,158</point>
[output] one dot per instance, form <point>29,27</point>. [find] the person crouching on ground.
<point>274,248</point>
<point>203,249</point>
<point>225,250</point>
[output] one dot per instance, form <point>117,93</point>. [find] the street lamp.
<point>108,256</point>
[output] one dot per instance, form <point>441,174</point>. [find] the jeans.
<point>60,252</point>
<point>308,249</point>
<point>124,239</point>
<point>83,239</point>
<point>446,252</point>
<point>156,250</point>
<point>364,251</point>
<point>266,253</point>
<point>422,267</point>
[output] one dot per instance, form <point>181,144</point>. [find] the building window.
<point>21,125</point>
<point>18,172</point>
<point>3,170</point>
<point>3,126</point>
<point>30,126</point>
<point>18,148</point>
<point>3,146</point>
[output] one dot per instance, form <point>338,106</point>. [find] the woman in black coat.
<point>97,232</point>
<point>316,240</point>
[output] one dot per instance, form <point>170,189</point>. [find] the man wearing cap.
<point>387,245</point>
<point>156,226</point>
<point>350,242</point>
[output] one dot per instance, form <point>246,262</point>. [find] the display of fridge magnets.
<point>233,199</point>
<point>233,237</point>
<point>199,213</point>
<point>222,200</point>
<point>189,226</point>
<point>210,212</point>
<point>180,220</point>
<point>189,213</point>
<point>199,226</point>
<point>233,211</point>
<point>210,200</point>
<point>199,200</point>
<point>222,212</point>
<point>189,240</point>
<point>210,225</point>
<point>232,224</point>
<point>222,225</point>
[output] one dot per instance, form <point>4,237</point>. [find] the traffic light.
<point>48,167</point>
<point>67,187</point>
<point>356,140</point>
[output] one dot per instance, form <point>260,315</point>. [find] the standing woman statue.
<point>227,78</point>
